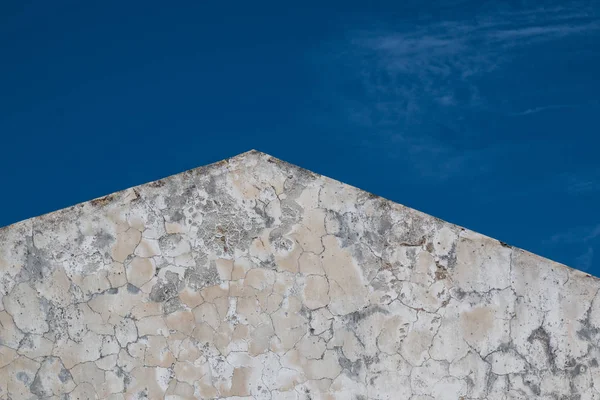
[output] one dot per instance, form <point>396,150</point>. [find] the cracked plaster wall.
<point>255,279</point>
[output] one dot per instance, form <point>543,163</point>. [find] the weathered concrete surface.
<point>255,279</point>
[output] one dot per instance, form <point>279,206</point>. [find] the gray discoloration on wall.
<point>255,279</point>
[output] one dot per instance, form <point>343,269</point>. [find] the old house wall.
<point>255,279</point>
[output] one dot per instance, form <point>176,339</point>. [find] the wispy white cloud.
<point>420,59</point>
<point>581,182</point>
<point>410,78</point>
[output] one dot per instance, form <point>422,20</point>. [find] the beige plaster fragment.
<point>240,267</point>
<point>158,353</point>
<point>310,264</point>
<point>190,298</point>
<point>224,268</point>
<point>72,353</point>
<point>153,325</point>
<point>152,381</point>
<point>260,279</point>
<point>125,245</point>
<point>88,372</point>
<point>116,275</point>
<point>147,248</point>
<point>83,391</point>
<point>182,321</point>
<point>189,372</point>
<point>327,367</point>
<point>309,233</point>
<point>316,292</point>
<point>7,355</point>
<point>207,312</point>
<point>56,287</point>
<point>140,270</point>
<point>346,286</point>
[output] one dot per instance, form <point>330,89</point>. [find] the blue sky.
<point>485,114</point>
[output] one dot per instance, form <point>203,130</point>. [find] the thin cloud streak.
<point>550,107</point>
<point>577,235</point>
<point>544,108</point>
